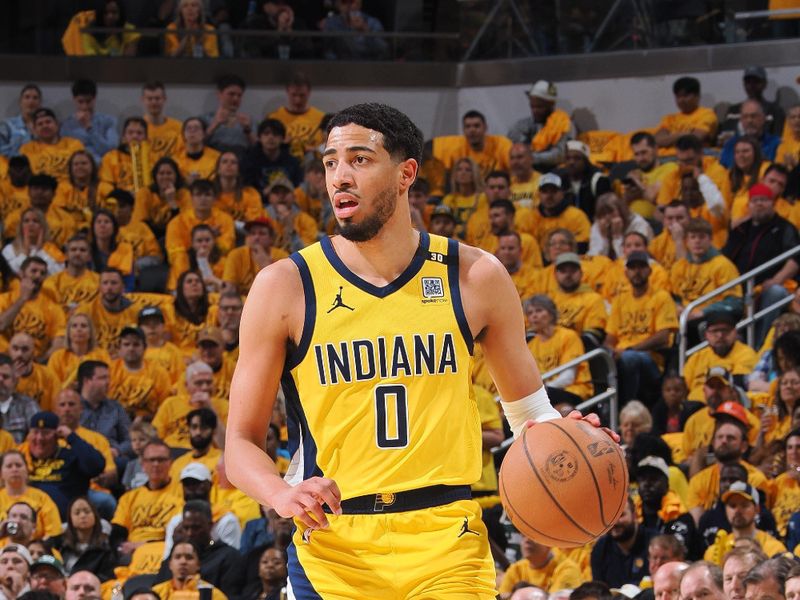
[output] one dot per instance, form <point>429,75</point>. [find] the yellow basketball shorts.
<point>441,552</point>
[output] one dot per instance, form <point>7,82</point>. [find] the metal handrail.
<point>249,33</point>
<point>611,392</point>
<point>748,322</point>
<point>758,14</point>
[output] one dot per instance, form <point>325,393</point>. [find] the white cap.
<point>549,179</point>
<point>577,146</point>
<point>196,471</point>
<point>19,549</point>
<point>655,462</point>
<point>545,90</point>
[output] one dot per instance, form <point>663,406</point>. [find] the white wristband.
<point>535,407</point>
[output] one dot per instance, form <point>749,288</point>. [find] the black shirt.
<point>612,565</point>
<point>750,245</point>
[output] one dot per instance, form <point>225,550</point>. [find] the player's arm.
<point>272,318</point>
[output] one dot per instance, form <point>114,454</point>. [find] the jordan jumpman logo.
<point>339,303</point>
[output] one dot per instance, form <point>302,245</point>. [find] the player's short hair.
<point>697,225</point>
<point>689,142</point>
<point>401,138</point>
<point>229,79</point>
<point>643,136</point>
<point>474,114</point>
<point>686,85</point>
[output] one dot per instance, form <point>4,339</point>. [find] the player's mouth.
<point>344,206</point>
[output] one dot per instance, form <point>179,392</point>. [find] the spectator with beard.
<point>640,185</point>
<point>185,575</point>
<point>741,507</point>
<point>48,575</point>
<point>735,566</point>
<point>585,180</point>
<point>661,509</point>
<point>580,308</point>
<point>202,424</point>
<point>229,316</point>
<point>555,211</point>
<point>220,564</point>
<point>729,445</point>
<point>196,483</point>
<point>715,519</point>
<point>620,556</point>
<point>702,581</point>
<point>110,310</point>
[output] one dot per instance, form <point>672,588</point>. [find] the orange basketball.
<point>564,483</point>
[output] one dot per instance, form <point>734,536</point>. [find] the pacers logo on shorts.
<point>561,466</point>
<point>382,500</point>
<point>433,290</point>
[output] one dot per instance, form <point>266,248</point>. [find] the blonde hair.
<point>477,179</point>
<point>17,243</point>
<point>636,410</point>
<point>92,334</point>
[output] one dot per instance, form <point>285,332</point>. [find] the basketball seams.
<point>523,520</point>
<point>547,489</point>
<point>624,468</point>
<point>591,470</point>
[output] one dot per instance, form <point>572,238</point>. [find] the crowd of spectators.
<point>130,246</point>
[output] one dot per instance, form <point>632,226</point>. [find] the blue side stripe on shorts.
<point>301,586</point>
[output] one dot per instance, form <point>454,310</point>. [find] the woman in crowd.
<point>33,239</point>
<point>766,370</point>
<point>241,202</point>
<point>466,192</point>
<point>747,169</point>
<point>83,192</point>
<point>192,311</point>
<point>200,41</point>
<point>634,418</point>
<point>164,198</point>
<point>197,161</point>
<point>81,345</point>
<point>272,576</point>
<point>110,13</point>
<point>14,473</point>
<point>203,256</point>
<point>84,545</point>
<point>613,220</point>
<point>184,565</point>
<point>107,250</point>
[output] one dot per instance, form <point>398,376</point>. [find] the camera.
<point>12,528</point>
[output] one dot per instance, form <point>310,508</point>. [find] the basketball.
<point>564,483</point>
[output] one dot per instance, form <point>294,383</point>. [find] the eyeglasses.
<point>46,574</point>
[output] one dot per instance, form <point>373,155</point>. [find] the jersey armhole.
<point>296,355</point>
<point>455,293</point>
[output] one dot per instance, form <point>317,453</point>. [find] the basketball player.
<point>370,335</point>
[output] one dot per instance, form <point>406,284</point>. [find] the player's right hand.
<point>304,501</point>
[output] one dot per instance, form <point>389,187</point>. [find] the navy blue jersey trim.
<point>302,588</point>
<point>455,294</point>
<point>295,356</point>
<point>380,292</point>
<point>298,429</point>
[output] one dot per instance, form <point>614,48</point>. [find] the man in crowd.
<point>269,158</point>
<point>620,556</point>
<point>100,413</point>
<point>753,123</point>
<point>229,129</point>
<point>702,581</point>
<point>48,152</point>
<point>16,409</point>
<point>640,185</point>
<point>303,122</point>
<point>163,132</point>
<point>667,580</point>
<point>754,80</point>
<point>555,212</point>
<point>203,425</point>
<point>668,246</point>
<point>48,574</point>
<point>509,253</point>
<point>585,181</point>
<point>96,131</point>
<point>139,385</point>
<point>83,585</point>
<point>691,118</point>
<point>110,310</point>
<point>34,380</point>
<point>579,307</point>
<point>77,283</point>
<point>16,131</point>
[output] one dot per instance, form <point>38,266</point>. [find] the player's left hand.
<point>591,418</point>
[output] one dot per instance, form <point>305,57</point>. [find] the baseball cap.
<point>743,489</point>
<point>44,419</point>
<point>280,182</point>
<point>48,560</point>
<point>734,410</point>
<point>577,146</point>
<point>720,373</point>
<point>211,334</point>
<point>546,90</point>
<point>637,257</point>
<point>443,210</point>
<point>196,471</point>
<point>755,71</point>
<point>265,221</point>
<point>721,316</point>
<point>149,312</point>
<point>568,258</point>
<point>761,189</point>
<point>550,179</point>
<point>628,590</point>
<point>132,330</point>
<point>654,462</point>
<point>19,549</point>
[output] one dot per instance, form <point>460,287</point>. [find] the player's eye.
<point>330,164</point>
<point>361,160</point>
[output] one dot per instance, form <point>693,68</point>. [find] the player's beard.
<point>384,206</point>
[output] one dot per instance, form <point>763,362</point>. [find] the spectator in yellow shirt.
<point>76,283</point>
<point>76,198</point>
<point>110,310</point>
<point>640,185</point>
<point>691,119</point>
<point>668,246</point>
<point>204,430</point>
<point>203,256</point>
<point>481,226</point>
<point>81,344</point>
<point>303,122</point>
<point>163,199</point>
<point>241,202</point>
<point>555,211</point>
<point>179,229</point>
<point>14,473</point>
<point>524,179</point>
<point>185,582</point>
<point>786,486</point>
<point>243,264</point>
<point>33,379</point>
<point>211,351</point>
<point>579,307</point>
<point>147,256</point>
<point>295,228</point>
<point>466,192</point>
<point>107,249</point>
<point>509,253</point>
<point>192,311</point>
<point>196,161</point>
<point>711,176</point>
<point>229,316</point>
<point>117,167</point>
<point>501,222</point>
<point>198,38</point>
<point>49,153</point>
<point>541,567</point>
<point>748,167</point>
<point>164,133</point>
<point>443,221</point>
<point>642,322</point>
<point>160,351</point>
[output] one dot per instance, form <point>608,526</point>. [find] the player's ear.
<point>408,173</point>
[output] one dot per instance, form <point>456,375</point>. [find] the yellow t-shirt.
<point>525,194</point>
<point>12,199</point>
<point>662,248</point>
<point>241,269</point>
<point>149,207</point>
<point>247,208</point>
<point>64,363</point>
<point>490,419</point>
<point>580,310</point>
<point>198,168</point>
<point>141,392</point>
<point>75,202</point>
<point>170,358</point>
<point>51,159</point>
<point>464,207</point>
<point>725,541</point>
<point>166,590</point>
<point>740,206</point>
<point>165,139</point>
<point>237,502</point>
<point>41,384</point>
<point>141,240</point>
<point>526,280</point>
<point>564,346</point>
<point>698,430</point>
<point>479,227</point>
<point>48,520</point>
<point>786,493</point>
<point>179,230</point>
<point>531,254</point>
<point>671,184</point>
<point>493,157</point>
<point>560,573</point>
<point>302,129</point>
<point>702,118</point>
<point>222,379</point>
<point>633,319</point>
<point>180,262</point>
<point>704,487</point>
<point>145,512</point>
<point>208,40</point>
<point>184,332</point>
<point>572,219</point>
<point>170,420</point>
<point>741,360</point>
<point>39,317</point>
<point>117,168</point>
<point>614,282</point>
<point>107,324</point>
<point>556,126</point>
<point>304,226</point>
<point>210,460</point>
<point>690,280</point>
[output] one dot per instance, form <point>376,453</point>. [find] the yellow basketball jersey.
<point>379,394</point>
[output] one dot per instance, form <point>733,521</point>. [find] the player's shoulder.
<point>478,263</point>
